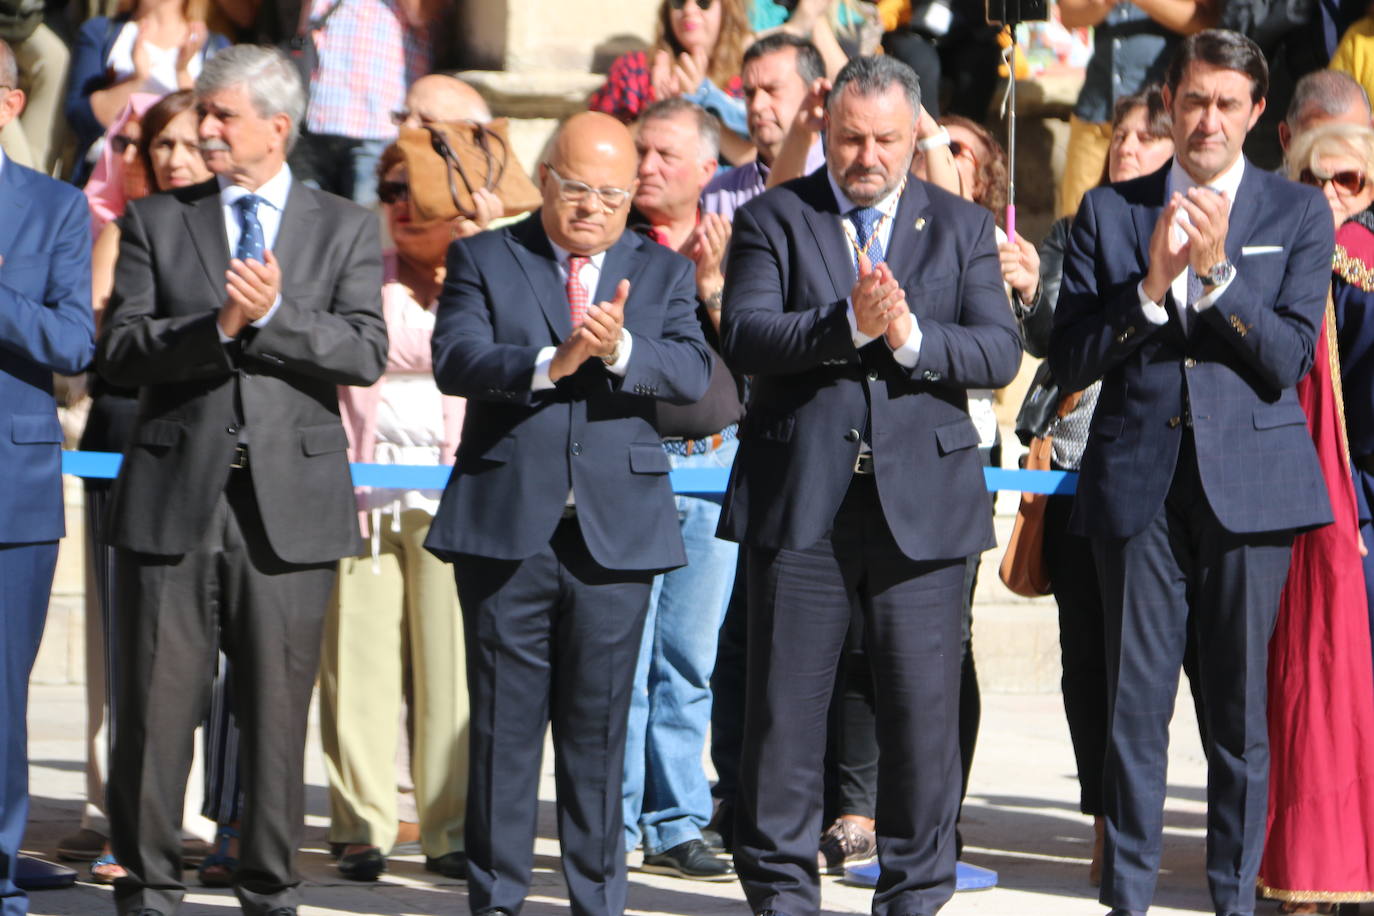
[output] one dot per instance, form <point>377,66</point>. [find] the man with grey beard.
<point>864,302</point>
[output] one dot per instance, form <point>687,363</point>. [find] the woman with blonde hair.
<point>696,55</point>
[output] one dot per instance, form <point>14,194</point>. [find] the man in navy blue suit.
<point>864,302</point>
<point>561,331</point>
<point>45,327</point>
<point>1196,295</point>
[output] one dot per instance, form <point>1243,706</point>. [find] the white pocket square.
<point>1248,250</point>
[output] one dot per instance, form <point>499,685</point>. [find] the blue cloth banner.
<point>105,465</point>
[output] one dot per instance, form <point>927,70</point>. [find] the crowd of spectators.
<point>728,102</point>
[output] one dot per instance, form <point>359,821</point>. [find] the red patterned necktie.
<point>578,300</point>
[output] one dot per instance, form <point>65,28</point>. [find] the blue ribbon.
<point>703,481</point>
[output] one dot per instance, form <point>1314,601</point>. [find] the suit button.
<point>1174,421</point>
<point>872,376</point>
<point>852,436</point>
<point>1190,363</point>
<point>575,449</point>
<point>231,429</point>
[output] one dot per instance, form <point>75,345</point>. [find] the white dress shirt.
<point>1228,183</point>
<point>907,354</point>
<point>274,193</point>
<point>589,275</point>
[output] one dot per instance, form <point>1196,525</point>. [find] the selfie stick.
<point>1011,134</point>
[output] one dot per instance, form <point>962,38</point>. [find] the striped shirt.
<point>369,54</point>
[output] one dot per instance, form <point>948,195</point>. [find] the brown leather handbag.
<point>1023,568</point>
<point>447,161</point>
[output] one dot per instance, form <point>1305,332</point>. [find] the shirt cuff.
<point>622,357</point>
<point>859,337</point>
<point>540,381</point>
<point>909,352</point>
<point>1155,312</point>
<point>262,322</point>
<point>1203,304</point>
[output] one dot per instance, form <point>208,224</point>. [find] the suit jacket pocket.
<point>321,440</point>
<point>646,458</point>
<point>1274,415</point>
<point>159,433</point>
<point>956,436</point>
<point>35,429</point>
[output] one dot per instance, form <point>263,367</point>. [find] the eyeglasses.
<point>701,4</point>
<point>120,144</point>
<point>575,192</point>
<point>1351,181</point>
<point>390,192</point>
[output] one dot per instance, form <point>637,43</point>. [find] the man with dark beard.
<point>864,302</point>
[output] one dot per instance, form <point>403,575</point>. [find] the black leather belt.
<point>240,460</point>
<point>863,465</point>
<point>570,512</point>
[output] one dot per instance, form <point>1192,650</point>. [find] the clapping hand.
<point>251,289</point>
<point>877,300</point>
<point>598,335</point>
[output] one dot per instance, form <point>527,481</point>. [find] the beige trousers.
<point>403,605</point>
<point>1085,162</point>
<point>36,137</point>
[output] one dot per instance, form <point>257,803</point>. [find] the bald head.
<point>440,97</point>
<point>11,97</point>
<point>9,67</point>
<point>1324,97</point>
<point>590,151</point>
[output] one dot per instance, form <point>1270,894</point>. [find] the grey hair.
<point>875,75</point>
<point>9,67</point>
<point>708,129</point>
<point>1326,93</point>
<point>273,83</point>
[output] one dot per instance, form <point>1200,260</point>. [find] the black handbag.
<point>1040,407</point>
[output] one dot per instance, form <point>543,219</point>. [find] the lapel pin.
<point>920,223</point>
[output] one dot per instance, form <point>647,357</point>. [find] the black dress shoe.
<point>493,911</point>
<point>362,866</point>
<point>689,860</point>
<point>713,840</point>
<point>450,865</point>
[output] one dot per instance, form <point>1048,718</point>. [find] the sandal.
<point>105,870</point>
<point>219,866</point>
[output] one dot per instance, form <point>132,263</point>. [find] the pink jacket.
<point>408,352</point>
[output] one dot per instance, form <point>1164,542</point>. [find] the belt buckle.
<point>863,464</point>
<point>240,461</point>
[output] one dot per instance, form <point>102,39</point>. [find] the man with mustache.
<point>864,302</point>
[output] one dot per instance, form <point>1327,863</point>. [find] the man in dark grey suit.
<point>864,303</point>
<point>1196,295</point>
<point>235,500</point>
<point>561,331</point>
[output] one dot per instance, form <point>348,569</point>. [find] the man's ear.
<point>12,105</point>
<point>1285,135</point>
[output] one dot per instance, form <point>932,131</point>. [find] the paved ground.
<point>1021,820</point>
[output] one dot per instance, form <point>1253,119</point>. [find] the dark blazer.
<point>1234,370</point>
<point>161,335</point>
<point>593,432</point>
<point>46,326</point>
<point>788,278</point>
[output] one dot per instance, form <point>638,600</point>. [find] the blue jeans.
<point>667,797</point>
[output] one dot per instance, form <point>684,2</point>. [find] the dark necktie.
<point>866,220</point>
<point>251,243</point>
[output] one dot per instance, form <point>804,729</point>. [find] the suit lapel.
<point>622,260</point>
<point>294,235</point>
<point>1244,212</point>
<point>205,223</point>
<point>823,219</point>
<point>14,204</point>
<point>535,256</point>
<point>904,253</point>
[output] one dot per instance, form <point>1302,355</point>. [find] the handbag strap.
<point>495,167</point>
<point>305,25</point>
<point>1068,404</point>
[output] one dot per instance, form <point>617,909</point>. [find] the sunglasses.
<point>1351,181</point>
<point>390,192</point>
<point>957,149</point>
<point>120,144</point>
<point>701,4</point>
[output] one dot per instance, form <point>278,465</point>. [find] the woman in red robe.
<point>1320,847</point>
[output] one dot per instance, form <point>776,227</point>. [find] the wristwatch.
<point>1220,274</point>
<point>713,301</point>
